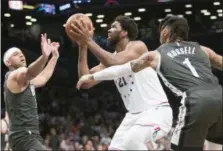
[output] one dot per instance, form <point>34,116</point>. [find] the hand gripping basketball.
<point>79,28</point>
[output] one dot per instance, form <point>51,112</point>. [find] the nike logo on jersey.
<point>181,51</point>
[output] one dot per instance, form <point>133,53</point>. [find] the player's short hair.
<point>178,25</point>
<point>129,25</point>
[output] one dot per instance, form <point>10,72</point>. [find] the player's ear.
<point>8,62</point>
<point>124,33</point>
<point>166,34</point>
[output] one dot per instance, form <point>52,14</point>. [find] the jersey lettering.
<point>181,51</point>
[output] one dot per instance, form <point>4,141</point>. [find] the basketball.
<point>77,17</point>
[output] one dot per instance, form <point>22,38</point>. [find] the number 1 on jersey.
<point>190,66</point>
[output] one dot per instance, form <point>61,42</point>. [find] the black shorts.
<point>26,140</point>
<point>3,142</point>
<point>199,118</point>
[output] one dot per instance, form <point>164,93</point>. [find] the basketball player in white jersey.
<point>149,116</point>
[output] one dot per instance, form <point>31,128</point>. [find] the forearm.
<point>217,62</point>
<point>113,72</point>
<point>36,67</point>
<point>106,58</point>
<point>82,62</point>
<point>48,70</point>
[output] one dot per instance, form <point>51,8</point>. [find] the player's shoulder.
<point>137,45</point>
<point>13,74</point>
<point>162,47</point>
<point>192,43</point>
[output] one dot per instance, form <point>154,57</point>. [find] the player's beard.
<point>112,42</point>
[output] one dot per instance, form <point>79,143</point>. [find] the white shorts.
<point>212,146</point>
<point>157,118</point>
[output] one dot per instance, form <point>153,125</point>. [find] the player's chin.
<point>110,41</point>
<point>23,64</point>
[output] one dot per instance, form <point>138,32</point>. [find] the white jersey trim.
<point>166,82</point>
<point>169,85</point>
<point>181,121</point>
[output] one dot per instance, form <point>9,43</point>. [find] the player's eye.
<point>15,54</point>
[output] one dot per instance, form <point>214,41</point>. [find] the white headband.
<point>9,53</point>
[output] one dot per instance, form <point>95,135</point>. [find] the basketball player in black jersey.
<point>19,91</point>
<point>185,70</point>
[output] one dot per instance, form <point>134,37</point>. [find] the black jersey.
<point>22,109</point>
<point>184,65</point>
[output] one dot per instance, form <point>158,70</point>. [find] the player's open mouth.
<point>109,36</point>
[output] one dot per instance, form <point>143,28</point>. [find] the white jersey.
<point>141,91</point>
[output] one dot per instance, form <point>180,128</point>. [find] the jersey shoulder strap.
<point>7,74</point>
<point>6,77</point>
<point>192,43</point>
<point>160,48</point>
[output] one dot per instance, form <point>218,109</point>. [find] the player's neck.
<point>11,68</point>
<point>175,40</point>
<point>121,45</point>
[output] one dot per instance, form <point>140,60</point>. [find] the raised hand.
<point>45,46</point>
<point>84,80</point>
<point>54,47</point>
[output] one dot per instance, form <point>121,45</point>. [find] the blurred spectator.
<point>55,141</point>
<point>217,26</point>
<point>66,144</point>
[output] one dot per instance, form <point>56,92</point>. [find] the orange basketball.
<point>77,17</point>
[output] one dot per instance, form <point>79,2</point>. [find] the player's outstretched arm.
<point>216,60</point>
<point>132,51</point>
<point>39,64</point>
<point>83,68</point>
<point>149,59</point>
<point>146,60</point>
<point>20,77</point>
<point>109,73</point>
<point>46,74</point>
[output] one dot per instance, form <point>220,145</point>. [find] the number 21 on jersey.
<point>121,82</point>
<point>191,67</point>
